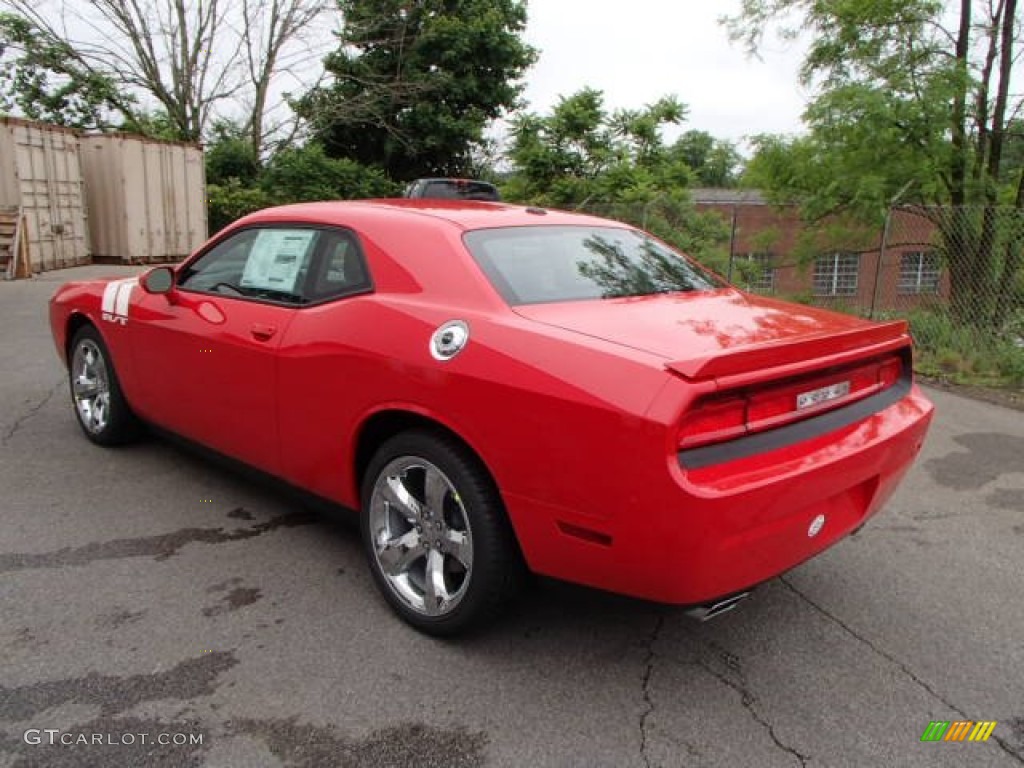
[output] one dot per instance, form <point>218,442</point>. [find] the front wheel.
<point>102,411</point>
<point>439,545</point>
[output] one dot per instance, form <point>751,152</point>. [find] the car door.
<point>209,368</point>
<point>323,376</point>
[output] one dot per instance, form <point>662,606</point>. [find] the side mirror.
<point>158,280</point>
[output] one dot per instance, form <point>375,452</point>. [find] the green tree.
<point>231,200</point>
<point>413,84</point>
<point>615,164</point>
<point>230,155</point>
<point>156,124</point>
<point>188,59</point>
<point>904,106</point>
<point>302,174</point>
<point>581,153</point>
<point>715,162</point>
<point>39,79</point>
<point>238,186</point>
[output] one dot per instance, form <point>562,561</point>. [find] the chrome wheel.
<point>420,536</point>
<point>90,386</point>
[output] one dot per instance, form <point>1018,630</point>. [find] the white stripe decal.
<point>117,296</point>
<point>124,293</point>
<point>108,297</point>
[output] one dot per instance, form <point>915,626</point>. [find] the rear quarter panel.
<point>543,407</point>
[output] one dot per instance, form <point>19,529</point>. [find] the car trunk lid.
<point>720,333</point>
<point>761,364</point>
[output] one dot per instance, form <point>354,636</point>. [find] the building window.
<point>836,274</point>
<point>759,277</point>
<point>919,272</point>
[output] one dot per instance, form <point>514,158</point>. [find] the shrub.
<point>965,353</point>
<point>232,200</point>
<point>304,174</point>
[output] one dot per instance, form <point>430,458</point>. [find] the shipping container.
<point>147,198</point>
<point>40,174</point>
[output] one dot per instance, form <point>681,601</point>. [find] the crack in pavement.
<point>1007,748</point>
<point>32,411</point>
<point>646,689</point>
<point>747,699</point>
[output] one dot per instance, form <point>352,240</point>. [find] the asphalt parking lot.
<point>145,591</point>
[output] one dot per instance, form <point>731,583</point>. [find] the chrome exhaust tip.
<point>709,611</point>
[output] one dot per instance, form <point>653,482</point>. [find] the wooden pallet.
<point>14,255</point>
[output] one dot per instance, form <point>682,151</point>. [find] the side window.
<point>266,263</point>
<point>220,267</point>
<point>338,268</point>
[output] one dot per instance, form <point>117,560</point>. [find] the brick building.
<point>839,263</point>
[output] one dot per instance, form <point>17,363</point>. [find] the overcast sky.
<point>639,50</point>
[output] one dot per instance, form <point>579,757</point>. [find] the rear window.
<point>458,189</point>
<point>534,265</point>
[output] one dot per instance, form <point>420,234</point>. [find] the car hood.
<point>704,334</point>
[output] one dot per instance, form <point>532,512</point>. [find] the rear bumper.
<point>699,534</point>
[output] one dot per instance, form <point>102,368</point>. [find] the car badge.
<point>816,525</point>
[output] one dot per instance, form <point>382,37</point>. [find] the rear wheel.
<point>436,536</point>
<point>102,412</point>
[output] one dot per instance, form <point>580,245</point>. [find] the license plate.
<point>822,395</point>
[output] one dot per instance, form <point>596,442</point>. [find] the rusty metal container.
<point>41,174</point>
<point>146,198</point>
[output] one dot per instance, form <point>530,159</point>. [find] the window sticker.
<point>276,259</point>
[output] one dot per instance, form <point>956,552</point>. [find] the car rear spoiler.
<point>868,340</point>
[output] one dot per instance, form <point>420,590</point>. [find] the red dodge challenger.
<point>499,388</point>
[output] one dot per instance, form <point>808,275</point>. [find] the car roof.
<point>462,214</point>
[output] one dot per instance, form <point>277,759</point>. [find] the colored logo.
<point>958,730</point>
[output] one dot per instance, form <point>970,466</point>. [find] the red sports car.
<point>499,388</point>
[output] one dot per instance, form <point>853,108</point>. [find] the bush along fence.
<point>956,274</point>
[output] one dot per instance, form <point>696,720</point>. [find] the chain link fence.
<point>956,274</point>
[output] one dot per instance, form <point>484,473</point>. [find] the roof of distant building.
<point>728,196</point>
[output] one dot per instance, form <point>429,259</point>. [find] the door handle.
<point>262,332</point>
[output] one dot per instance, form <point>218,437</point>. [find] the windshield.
<point>533,265</point>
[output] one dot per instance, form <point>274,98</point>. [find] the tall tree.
<point>715,162</point>
<point>582,153</point>
<point>188,57</point>
<point>40,79</point>
<point>615,163</point>
<point>272,35</point>
<point>413,83</point>
<point>912,98</point>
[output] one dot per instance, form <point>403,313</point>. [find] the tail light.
<point>721,417</point>
<point>714,422</point>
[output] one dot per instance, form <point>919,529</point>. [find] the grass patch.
<point>967,354</point>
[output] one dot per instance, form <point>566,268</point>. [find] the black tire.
<point>112,423</point>
<point>470,503</point>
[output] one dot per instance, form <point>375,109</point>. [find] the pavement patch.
<point>159,547</point>
<point>238,597</point>
<point>1007,498</point>
<point>114,694</point>
<point>309,746</point>
<point>151,754</point>
<point>118,618</point>
<point>989,455</point>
